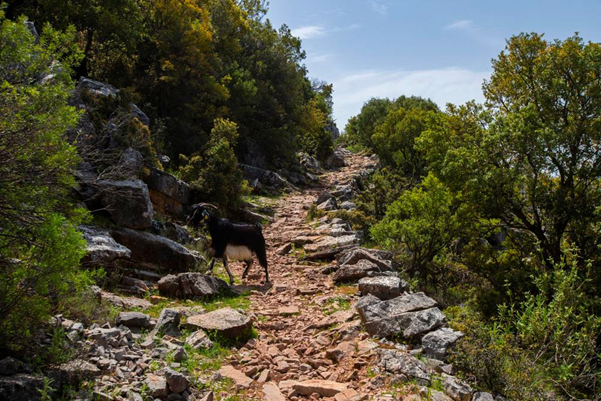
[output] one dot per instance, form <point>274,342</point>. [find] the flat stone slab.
<point>272,392</point>
<point>332,243</point>
<point>383,287</point>
<point>239,378</point>
<point>226,321</point>
<point>325,388</point>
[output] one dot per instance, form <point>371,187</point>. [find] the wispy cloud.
<point>309,32</point>
<point>449,85</point>
<point>317,31</point>
<point>319,58</point>
<point>462,24</point>
<point>379,6</point>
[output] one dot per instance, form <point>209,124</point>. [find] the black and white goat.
<point>234,241</point>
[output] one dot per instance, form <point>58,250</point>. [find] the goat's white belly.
<point>238,252</point>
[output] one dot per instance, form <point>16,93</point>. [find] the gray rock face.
<point>20,387</point>
<point>345,193</point>
<point>410,314</point>
<point>267,178</point>
<point>481,396</point>
<point>101,248</point>
<point>355,272</point>
<point>336,160</point>
<point>168,322</point>
<point>324,196</point>
<point>456,388</point>
<point>139,114</point>
<point>352,256</point>
<point>168,194</point>
<point>399,305</point>
<point>400,362</point>
<point>127,202</point>
<point>348,205</point>
<point>96,88</point>
<point>134,319</point>
<point>172,231</point>
<point>156,251</point>
<point>131,164</point>
<point>436,343</point>
<point>191,285</point>
<point>199,340</point>
<point>328,205</point>
<point>226,321</point>
<point>365,301</point>
<point>11,366</point>
<point>176,381</point>
<point>383,287</point>
<point>74,372</point>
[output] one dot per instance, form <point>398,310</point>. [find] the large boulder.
<point>328,205</point>
<point>20,387</point>
<point>156,251</point>
<point>102,249</point>
<point>361,269</point>
<point>411,315</point>
<point>267,178</point>
<point>227,322</point>
<point>169,195</point>
<point>96,88</point>
<point>437,343</point>
<point>127,202</point>
<point>352,256</point>
<point>332,243</point>
<point>401,362</point>
<point>191,286</point>
<point>383,287</point>
<point>74,372</point>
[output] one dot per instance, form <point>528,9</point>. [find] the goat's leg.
<point>266,274</point>
<point>211,266</point>
<point>227,269</point>
<point>248,264</point>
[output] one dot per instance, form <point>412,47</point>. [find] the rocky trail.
<point>335,323</point>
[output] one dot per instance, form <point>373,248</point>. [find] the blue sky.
<point>436,49</point>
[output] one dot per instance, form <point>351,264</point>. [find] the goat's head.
<point>199,213</point>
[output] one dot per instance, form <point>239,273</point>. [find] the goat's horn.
<point>208,204</point>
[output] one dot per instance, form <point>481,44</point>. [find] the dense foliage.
<point>40,247</point>
<point>496,206</point>
<point>190,62</point>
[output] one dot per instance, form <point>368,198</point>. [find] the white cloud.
<point>462,24</point>
<point>449,85</point>
<point>379,6</point>
<point>309,32</point>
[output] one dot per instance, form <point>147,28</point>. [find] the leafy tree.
<point>40,247</point>
<point>214,175</point>
<point>533,160</point>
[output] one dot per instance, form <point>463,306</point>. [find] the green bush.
<point>40,247</point>
<point>214,175</point>
<point>543,348</point>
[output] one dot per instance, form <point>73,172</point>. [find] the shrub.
<point>40,247</point>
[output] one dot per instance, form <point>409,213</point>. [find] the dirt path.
<point>307,328</point>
